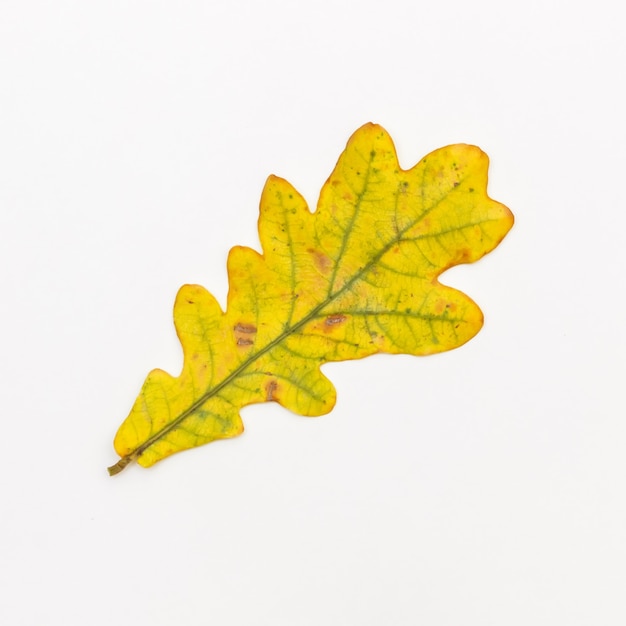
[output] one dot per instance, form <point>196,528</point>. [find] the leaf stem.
<point>121,464</point>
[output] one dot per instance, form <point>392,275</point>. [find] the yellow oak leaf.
<point>356,277</point>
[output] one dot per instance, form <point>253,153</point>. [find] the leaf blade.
<point>356,277</point>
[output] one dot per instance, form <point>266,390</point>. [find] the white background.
<point>483,486</point>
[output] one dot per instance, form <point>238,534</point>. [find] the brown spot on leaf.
<point>333,320</point>
<point>247,329</point>
<point>244,333</point>
<point>271,388</point>
<point>322,262</point>
<point>442,306</point>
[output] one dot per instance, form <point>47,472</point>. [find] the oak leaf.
<point>356,277</point>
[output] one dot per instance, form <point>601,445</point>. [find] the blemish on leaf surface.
<point>271,388</point>
<point>333,320</point>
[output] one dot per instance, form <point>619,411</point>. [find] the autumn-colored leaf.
<point>356,277</point>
